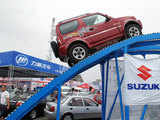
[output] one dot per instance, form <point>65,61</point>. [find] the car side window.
<point>69,27</point>
<point>89,102</point>
<point>76,102</point>
<point>94,19</point>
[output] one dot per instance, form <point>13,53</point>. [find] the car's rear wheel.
<point>77,52</point>
<point>67,117</point>
<point>33,114</point>
<point>132,30</point>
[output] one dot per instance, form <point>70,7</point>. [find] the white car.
<point>66,90</point>
<point>74,107</point>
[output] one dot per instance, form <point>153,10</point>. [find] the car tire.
<point>132,30</point>
<point>77,52</point>
<point>67,117</point>
<point>33,115</point>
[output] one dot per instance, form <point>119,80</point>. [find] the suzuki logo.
<point>144,74</point>
<point>21,60</point>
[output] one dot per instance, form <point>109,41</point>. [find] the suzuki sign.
<point>142,81</point>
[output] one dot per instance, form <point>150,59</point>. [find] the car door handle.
<point>87,108</point>
<point>71,108</point>
<point>91,28</point>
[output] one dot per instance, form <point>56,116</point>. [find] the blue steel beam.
<point>119,87</point>
<point>145,43</point>
<point>58,103</point>
<point>126,112</point>
<point>143,112</point>
<point>115,99</point>
<point>104,74</point>
<point>78,68</point>
<point>103,79</point>
<point>106,87</point>
<point>143,48</point>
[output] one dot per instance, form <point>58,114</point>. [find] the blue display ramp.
<point>140,45</point>
<point>23,65</point>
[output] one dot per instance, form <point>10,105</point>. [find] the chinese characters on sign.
<point>40,65</point>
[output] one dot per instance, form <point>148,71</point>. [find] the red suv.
<point>81,36</point>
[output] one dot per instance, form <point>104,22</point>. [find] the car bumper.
<point>50,115</point>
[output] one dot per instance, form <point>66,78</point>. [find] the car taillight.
<point>18,103</point>
<point>52,108</point>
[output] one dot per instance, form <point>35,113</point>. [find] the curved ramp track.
<point>138,42</point>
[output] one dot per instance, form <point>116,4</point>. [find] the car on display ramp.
<point>82,36</point>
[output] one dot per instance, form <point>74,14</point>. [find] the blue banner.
<point>17,59</point>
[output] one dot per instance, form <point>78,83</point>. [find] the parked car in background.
<point>74,107</point>
<point>81,36</point>
<point>66,90</point>
<point>80,91</point>
<point>98,97</point>
<point>19,98</point>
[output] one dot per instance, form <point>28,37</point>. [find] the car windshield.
<point>66,90</point>
<point>69,27</point>
<point>64,99</point>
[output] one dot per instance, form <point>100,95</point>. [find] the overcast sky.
<point>25,25</point>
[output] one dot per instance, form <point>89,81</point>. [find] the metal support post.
<point>143,112</point>
<point>103,77</point>
<point>119,87</point>
<point>106,86</point>
<point>126,112</point>
<point>114,101</point>
<point>104,73</point>
<point>58,103</point>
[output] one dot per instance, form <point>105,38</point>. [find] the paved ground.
<point>44,118</point>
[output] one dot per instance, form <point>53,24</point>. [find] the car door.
<point>98,29</point>
<point>92,109</point>
<point>76,107</point>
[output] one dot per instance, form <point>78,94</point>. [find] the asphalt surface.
<point>44,118</point>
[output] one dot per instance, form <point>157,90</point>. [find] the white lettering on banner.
<point>141,81</point>
<point>40,65</point>
<point>59,71</point>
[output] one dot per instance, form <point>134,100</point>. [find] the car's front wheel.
<point>132,30</point>
<point>77,52</point>
<point>67,117</point>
